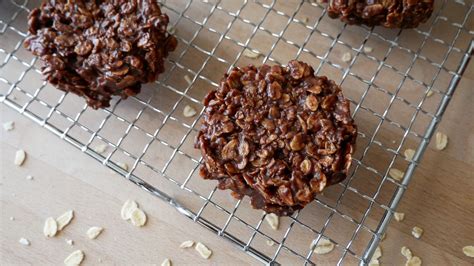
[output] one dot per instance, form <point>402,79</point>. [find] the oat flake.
<point>20,157</point>
<point>468,251</point>
<point>409,153</point>
<point>187,244</point>
<point>324,246</point>
<point>251,54</point>
<point>64,219</point>
<point>24,241</point>
<point>273,220</point>
<point>9,126</point>
<point>417,232</point>
<point>138,218</point>
<point>74,258</point>
<point>406,252</point>
<point>396,174</point>
<point>128,207</point>
<point>166,262</point>
<point>399,216</point>
<point>204,251</point>
<point>346,57</point>
<point>189,111</point>
<point>50,227</point>
<point>94,232</point>
<point>368,49</point>
<point>413,261</point>
<point>441,141</point>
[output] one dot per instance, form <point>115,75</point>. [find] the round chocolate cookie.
<point>387,13</point>
<point>279,135</point>
<point>97,49</point>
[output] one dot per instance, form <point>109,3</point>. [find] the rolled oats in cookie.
<point>277,134</point>
<point>389,14</point>
<point>98,49</point>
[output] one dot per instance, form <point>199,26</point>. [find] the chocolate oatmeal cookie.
<point>387,13</point>
<point>279,135</point>
<point>97,49</point>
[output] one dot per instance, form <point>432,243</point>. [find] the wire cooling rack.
<point>399,84</point>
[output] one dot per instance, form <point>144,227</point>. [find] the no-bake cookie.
<point>97,49</point>
<point>277,134</point>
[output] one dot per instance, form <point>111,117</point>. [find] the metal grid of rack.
<point>399,84</point>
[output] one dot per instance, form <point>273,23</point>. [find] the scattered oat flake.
<point>406,252</point>
<point>270,242</point>
<point>441,141</point>
<point>204,251</point>
<point>377,253</point>
<point>12,218</point>
<point>101,148</point>
<point>24,241</point>
<point>409,153</point>
<point>64,219</point>
<point>383,236</point>
<point>122,165</point>
<point>94,232</point>
<point>399,216</point>
<point>413,261</point>
<point>70,242</point>
<point>417,232</point>
<point>396,174</point>
<point>324,246</point>
<point>50,227</point>
<point>188,79</point>
<point>29,177</point>
<point>429,93</point>
<point>374,262</point>
<point>171,30</point>
<point>273,220</point>
<point>368,49</point>
<point>138,217</point>
<point>251,54</point>
<point>346,57</point>
<point>128,207</point>
<point>20,157</point>
<point>166,262</point>
<point>189,111</point>
<point>74,258</point>
<point>9,126</point>
<point>468,251</point>
<point>305,19</point>
<point>187,244</point>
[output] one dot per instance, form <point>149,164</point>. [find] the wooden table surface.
<point>439,200</point>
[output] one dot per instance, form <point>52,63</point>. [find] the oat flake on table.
<point>127,208</point>
<point>468,251</point>
<point>20,157</point>
<point>324,246</point>
<point>138,218</point>
<point>273,220</point>
<point>75,258</point>
<point>9,126</point>
<point>94,232</point>
<point>65,218</point>
<point>166,262</point>
<point>187,244</point>
<point>203,251</point>
<point>50,227</point>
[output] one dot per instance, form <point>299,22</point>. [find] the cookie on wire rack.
<point>277,134</point>
<point>98,49</point>
<point>387,13</point>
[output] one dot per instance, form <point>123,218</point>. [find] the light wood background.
<point>439,198</point>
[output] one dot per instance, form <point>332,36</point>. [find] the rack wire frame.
<point>12,26</point>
